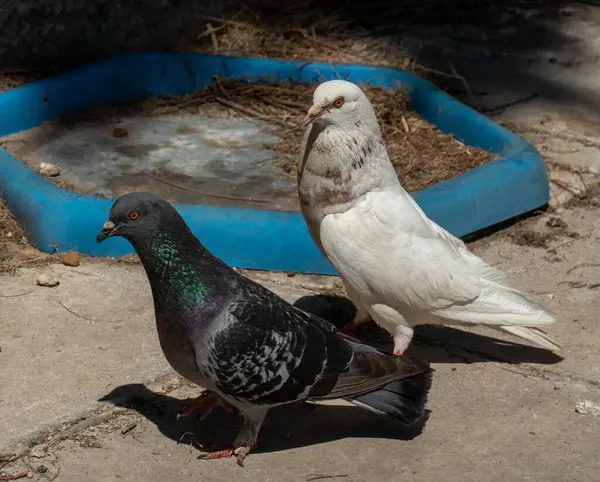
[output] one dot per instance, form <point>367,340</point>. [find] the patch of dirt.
<point>15,251</point>
<point>542,236</point>
<point>526,237</point>
<point>336,291</point>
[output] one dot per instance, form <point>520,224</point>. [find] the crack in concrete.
<point>541,373</point>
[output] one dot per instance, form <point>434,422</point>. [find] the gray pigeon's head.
<point>340,103</point>
<point>135,214</point>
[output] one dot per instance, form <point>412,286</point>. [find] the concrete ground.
<point>85,394</point>
<point>503,411</point>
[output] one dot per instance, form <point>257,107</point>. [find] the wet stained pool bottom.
<point>190,159</point>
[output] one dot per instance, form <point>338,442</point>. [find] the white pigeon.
<point>399,267</point>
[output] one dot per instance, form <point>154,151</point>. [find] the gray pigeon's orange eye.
<point>337,103</point>
<point>133,215</point>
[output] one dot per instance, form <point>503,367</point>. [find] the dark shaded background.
<point>38,34</point>
<point>482,40</point>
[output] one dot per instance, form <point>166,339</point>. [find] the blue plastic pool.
<point>252,238</point>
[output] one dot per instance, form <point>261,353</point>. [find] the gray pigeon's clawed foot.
<point>246,439</point>
<point>206,402</point>
<point>240,454</point>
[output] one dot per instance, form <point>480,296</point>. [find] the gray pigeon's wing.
<point>269,352</point>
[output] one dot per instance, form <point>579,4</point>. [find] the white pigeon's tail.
<point>503,307</point>
<point>534,335</point>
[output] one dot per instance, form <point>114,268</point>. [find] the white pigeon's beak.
<point>313,113</point>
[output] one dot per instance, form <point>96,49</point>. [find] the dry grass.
<point>421,154</point>
<point>15,252</point>
<point>341,32</point>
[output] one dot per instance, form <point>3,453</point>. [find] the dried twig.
<point>211,31</point>
<point>83,316</point>
<point>219,84</point>
<point>194,440</point>
<point>128,428</point>
<point>466,86</point>
<point>202,193</point>
<point>235,23</point>
<point>583,265</point>
<point>213,37</point>
<point>498,109</point>
<point>405,125</point>
<point>313,477</point>
<point>250,112</point>
<point>285,91</point>
<point>437,72</point>
<point>17,295</point>
<point>566,187</point>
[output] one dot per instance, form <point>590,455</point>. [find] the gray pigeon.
<point>245,345</point>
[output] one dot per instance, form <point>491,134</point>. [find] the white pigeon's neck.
<point>340,164</point>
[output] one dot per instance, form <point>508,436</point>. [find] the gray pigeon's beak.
<point>108,230</point>
<point>313,113</point>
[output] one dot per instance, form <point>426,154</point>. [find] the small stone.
<point>42,469</point>
<point>39,451</point>
<point>556,223</point>
<point>50,170</point>
<point>45,280</point>
<point>593,170</point>
<point>120,132</point>
<point>71,259</point>
<point>291,273</point>
<point>585,407</point>
<point>551,296</point>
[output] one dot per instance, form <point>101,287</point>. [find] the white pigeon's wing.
<point>500,302</point>
<point>388,252</point>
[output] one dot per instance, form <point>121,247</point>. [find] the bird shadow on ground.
<point>286,427</point>
<point>434,343</point>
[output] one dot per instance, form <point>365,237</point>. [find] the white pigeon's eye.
<point>337,103</point>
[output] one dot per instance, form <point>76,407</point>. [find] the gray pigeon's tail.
<point>403,399</point>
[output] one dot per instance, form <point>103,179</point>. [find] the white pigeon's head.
<point>339,103</point>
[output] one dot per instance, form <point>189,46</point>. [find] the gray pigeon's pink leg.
<point>362,314</point>
<point>206,402</point>
<point>246,438</point>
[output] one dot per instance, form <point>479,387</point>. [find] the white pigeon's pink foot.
<point>398,353</point>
